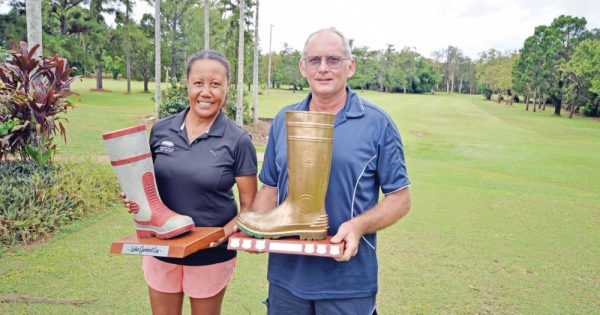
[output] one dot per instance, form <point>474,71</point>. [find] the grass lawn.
<point>505,216</point>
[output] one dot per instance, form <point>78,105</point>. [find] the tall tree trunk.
<point>127,46</point>
<point>63,24</point>
<point>207,24</point>
<point>99,77</point>
<point>239,114</point>
<point>572,109</point>
<point>173,46</point>
<point>33,14</point>
<point>255,70</point>
<point>460,85</point>
<point>146,79</point>
<point>145,71</point>
<point>527,102</point>
<point>269,83</point>
<point>557,105</point>
<point>543,104</point>
<point>173,62</point>
<point>156,57</point>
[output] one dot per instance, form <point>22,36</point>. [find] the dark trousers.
<point>283,302</point>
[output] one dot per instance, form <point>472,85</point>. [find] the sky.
<point>424,25</point>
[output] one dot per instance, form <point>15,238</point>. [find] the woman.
<point>199,154</point>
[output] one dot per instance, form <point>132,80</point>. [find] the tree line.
<point>557,65</point>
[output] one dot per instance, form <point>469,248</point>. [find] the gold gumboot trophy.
<point>309,148</point>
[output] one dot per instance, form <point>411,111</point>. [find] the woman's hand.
<point>131,206</point>
<point>229,229</point>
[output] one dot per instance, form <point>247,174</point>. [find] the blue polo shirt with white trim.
<point>367,156</point>
<point>196,179</point>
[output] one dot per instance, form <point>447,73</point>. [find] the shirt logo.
<point>166,146</point>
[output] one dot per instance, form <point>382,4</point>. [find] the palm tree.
<point>156,56</point>
<point>128,4</point>
<point>34,24</point>
<point>206,24</point>
<point>239,115</point>
<point>255,71</point>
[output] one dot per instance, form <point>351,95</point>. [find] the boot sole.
<point>150,232</point>
<point>303,234</point>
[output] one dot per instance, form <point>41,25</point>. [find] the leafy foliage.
<point>539,68</point>
<point>231,106</point>
<point>35,92</point>
<point>37,201</point>
<point>494,73</point>
<point>173,100</point>
<point>583,71</point>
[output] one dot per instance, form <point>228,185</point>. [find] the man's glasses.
<point>333,62</point>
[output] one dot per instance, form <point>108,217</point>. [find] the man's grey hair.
<point>347,50</point>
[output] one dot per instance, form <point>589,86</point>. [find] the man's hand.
<point>131,206</point>
<point>350,233</point>
<point>393,207</point>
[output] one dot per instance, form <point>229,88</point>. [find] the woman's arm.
<point>247,190</point>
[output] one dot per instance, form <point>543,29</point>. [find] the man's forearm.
<point>389,210</point>
<point>266,199</point>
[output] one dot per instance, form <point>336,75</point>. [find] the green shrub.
<point>487,92</point>
<point>37,201</point>
<point>231,107</point>
<point>34,93</point>
<point>590,110</point>
<point>173,100</point>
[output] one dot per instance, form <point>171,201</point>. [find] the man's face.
<point>320,65</point>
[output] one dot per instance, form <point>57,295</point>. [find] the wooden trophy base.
<point>177,247</point>
<point>294,246</point>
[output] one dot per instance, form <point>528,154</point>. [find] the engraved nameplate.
<point>146,250</point>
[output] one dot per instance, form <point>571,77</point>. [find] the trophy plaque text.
<point>177,247</point>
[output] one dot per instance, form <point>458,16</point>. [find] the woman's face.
<point>207,87</point>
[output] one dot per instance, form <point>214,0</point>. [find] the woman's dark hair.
<point>208,54</point>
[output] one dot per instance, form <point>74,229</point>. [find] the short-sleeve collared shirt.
<point>196,179</point>
<point>367,156</point>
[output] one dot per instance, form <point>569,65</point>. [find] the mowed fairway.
<point>505,216</point>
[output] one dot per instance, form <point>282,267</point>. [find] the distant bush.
<point>487,92</point>
<point>173,100</point>
<point>590,110</point>
<point>231,106</point>
<point>37,201</point>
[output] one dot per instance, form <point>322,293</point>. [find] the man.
<point>367,155</point>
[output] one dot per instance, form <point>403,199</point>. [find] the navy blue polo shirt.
<point>367,156</point>
<point>196,179</point>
